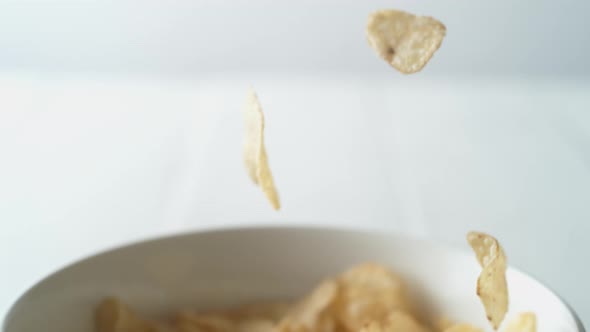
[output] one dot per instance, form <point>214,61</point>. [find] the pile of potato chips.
<point>366,298</point>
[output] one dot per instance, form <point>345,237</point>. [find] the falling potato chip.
<point>368,292</point>
<point>492,288</point>
<point>314,312</point>
<point>398,321</point>
<point>255,156</point>
<point>405,41</point>
<point>463,328</point>
<point>524,322</point>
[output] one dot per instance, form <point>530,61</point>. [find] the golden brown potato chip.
<point>524,322</point>
<point>492,288</point>
<point>314,312</point>
<point>114,316</point>
<point>368,292</point>
<point>255,157</point>
<point>463,328</point>
<point>398,321</point>
<point>405,41</point>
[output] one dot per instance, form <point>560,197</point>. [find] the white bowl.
<point>227,267</point>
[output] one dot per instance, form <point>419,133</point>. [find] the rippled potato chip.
<point>492,287</point>
<point>405,41</point>
<point>398,321</point>
<point>314,313</point>
<point>463,328</point>
<point>524,322</point>
<point>255,157</point>
<point>368,293</point>
<point>114,316</point>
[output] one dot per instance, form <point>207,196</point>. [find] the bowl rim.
<point>274,226</point>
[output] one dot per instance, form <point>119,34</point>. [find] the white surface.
<point>222,269</point>
<point>88,164</point>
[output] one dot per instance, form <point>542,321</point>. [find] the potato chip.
<point>113,315</point>
<point>463,328</point>
<point>368,292</point>
<point>398,321</point>
<point>314,312</point>
<point>492,288</point>
<point>524,322</point>
<point>255,157</point>
<point>405,41</point>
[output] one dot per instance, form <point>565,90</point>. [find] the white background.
<point>120,120</point>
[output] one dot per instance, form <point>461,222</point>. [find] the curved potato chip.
<point>398,321</point>
<point>524,322</point>
<point>492,288</point>
<point>255,157</point>
<point>368,292</point>
<point>463,328</point>
<point>313,313</point>
<point>405,41</point>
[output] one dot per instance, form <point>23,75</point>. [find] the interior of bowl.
<point>235,266</point>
